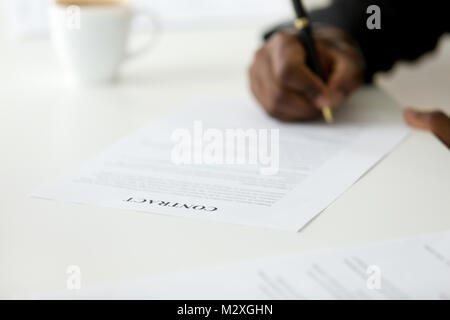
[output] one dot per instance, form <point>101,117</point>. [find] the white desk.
<point>46,130</point>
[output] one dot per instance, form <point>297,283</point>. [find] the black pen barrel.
<point>311,53</point>
<point>306,38</point>
<point>299,9</point>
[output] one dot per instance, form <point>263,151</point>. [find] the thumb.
<point>435,121</point>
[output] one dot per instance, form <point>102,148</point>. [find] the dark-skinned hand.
<point>288,90</point>
<point>436,122</point>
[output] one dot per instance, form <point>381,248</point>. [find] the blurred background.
<point>423,84</point>
<point>28,18</point>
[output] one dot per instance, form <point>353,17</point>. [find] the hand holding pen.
<point>302,24</point>
<point>283,82</point>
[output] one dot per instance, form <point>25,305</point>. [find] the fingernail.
<point>417,119</point>
<point>321,101</point>
<point>414,113</point>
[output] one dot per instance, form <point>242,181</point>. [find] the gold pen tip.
<point>327,114</point>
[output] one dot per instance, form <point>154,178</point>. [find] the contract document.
<point>410,268</point>
<point>229,162</point>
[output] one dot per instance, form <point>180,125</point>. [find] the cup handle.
<point>153,28</point>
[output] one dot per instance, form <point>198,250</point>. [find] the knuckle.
<point>279,39</point>
<point>271,110</point>
<point>258,54</point>
<point>253,87</point>
<point>274,103</point>
<point>251,71</point>
<point>256,63</point>
<point>284,72</point>
<point>277,99</point>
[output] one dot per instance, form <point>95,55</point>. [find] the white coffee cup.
<point>91,40</point>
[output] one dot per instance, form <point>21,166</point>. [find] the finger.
<point>435,121</point>
<point>276,100</point>
<point>290,106</point>
<point>290,70</point>
<point>344,78</point>
<point>255,81</point>
<point>416,119</point>
<point>259,74</point>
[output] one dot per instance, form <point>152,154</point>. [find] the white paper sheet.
<point>411,268</point>
<point>317,163</point>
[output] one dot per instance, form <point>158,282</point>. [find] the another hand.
<point>288,90</point>
<point>435,121</point>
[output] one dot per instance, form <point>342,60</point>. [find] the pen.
<point>302,24</point>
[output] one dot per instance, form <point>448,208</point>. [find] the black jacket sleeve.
<point>408,28</point>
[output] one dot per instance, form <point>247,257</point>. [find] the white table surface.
<point>47,129</point>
